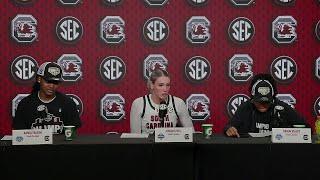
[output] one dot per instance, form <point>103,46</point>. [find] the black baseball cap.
<point>262,91</point>
<point>50,71</point>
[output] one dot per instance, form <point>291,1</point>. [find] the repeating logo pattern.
<point>316,107</point>
<point>153,62</point>
<point>24,28</point>
<point>112,69</point>
<point>112,2</point>
<point>71,65</point>
<point>317,30</point>
<point>197,69</point>
<point>317,68</point>
<point>23,2</point>
<point>284,29</point>
<point>241,2</point>
<point>285,2</point>
<point>198,30</point>
<point>283,69</point>
<point>112,107</point>
<point>69,29</point>
<point>198,2</point>
<point>234,103</point>
<point>69,2</point>
<point>241,30</point>
<point>240,67</point>
<point>78,102</point>
<point>287,98</point>
<point>198,106</point>
<point>156,2</point>
<point>24,69</point>
<point>155,30</point>
<point>15,102</point>
<point>112,29</point>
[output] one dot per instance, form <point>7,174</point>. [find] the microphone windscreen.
<point>163,109</point>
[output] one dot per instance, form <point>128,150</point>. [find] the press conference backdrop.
<point>211,48</point>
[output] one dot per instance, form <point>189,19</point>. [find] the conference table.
<point>111,157</point>
<point>98,157</point>
<point>255,159</point>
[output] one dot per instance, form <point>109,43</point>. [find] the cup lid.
<point>71,126</point>
<point>299,125</point>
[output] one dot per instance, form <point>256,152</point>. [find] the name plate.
<point>291,135</point>
<point>31,136</point>
<point>177,134</point>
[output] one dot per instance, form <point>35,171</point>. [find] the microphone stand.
<point>161,122</point>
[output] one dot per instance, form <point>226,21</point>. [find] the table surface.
<point>115,139</point>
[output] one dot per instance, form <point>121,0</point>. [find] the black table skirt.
<point>110,157</point>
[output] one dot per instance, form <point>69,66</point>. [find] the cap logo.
<point>54,71</point>
<point>264,90</point>
<point>280,108</point>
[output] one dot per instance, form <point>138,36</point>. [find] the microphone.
<point>162,112</point>
<point>277,120</point>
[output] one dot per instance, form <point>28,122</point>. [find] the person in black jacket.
<point>263,111</point>
<point>45,107</point>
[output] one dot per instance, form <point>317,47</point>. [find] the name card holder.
<point>31,136</point>
<point>176,134</point>
<point>291,135</point>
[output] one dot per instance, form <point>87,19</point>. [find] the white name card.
<point>31,136</point>
<point>291,135</point>
<point>177,134</point>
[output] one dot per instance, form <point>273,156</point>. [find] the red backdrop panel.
<point>219,87</point>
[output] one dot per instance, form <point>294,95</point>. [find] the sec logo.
<point>198,2</point>
<point>112,2</point>
<point>24,28</point>
<point>112,107</point>
<point>23,2</point>
<point>235,102</point>
<point>153,62</point>
<point>197,69</point>
<point>112,69</point>
<point>241,30</point>
<point>316,107</point>
<point>69,29</point>
<point>317,30</point>
<point>24,68</point>
<point>155,30</point>
<point>283,69</point>
<point>285,2</point>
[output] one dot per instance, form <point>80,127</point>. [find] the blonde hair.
<point>154,76</point>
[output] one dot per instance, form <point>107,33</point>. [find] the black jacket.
<point>248,119</point>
